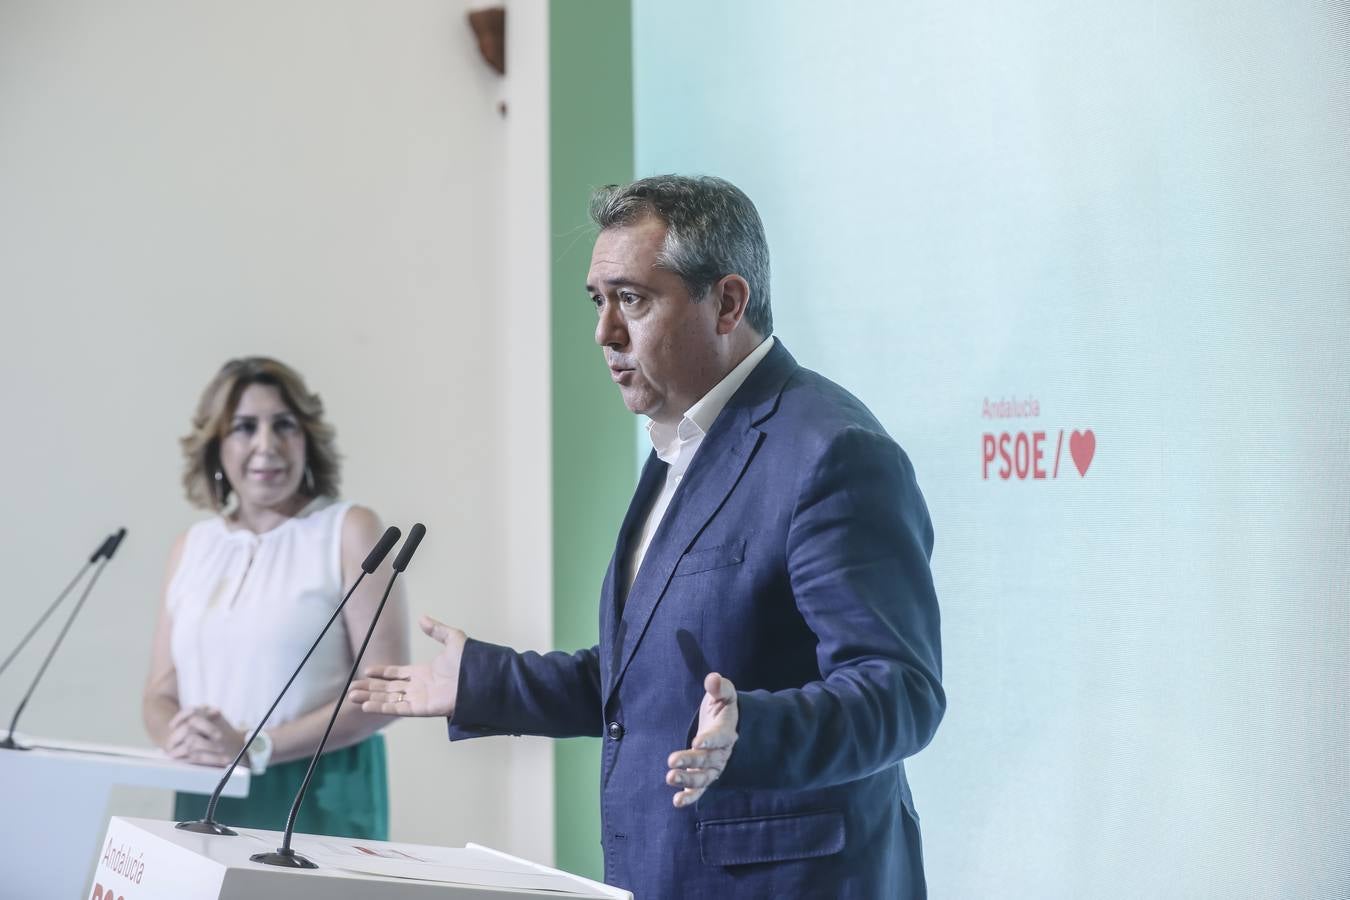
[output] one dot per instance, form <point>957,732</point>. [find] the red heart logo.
<point>1082,447</point>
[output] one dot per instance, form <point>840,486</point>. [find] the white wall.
<point>319,181</point>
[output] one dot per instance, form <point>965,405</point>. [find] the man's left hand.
<point>695,769</point>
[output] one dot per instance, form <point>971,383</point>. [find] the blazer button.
<point>615,731</point>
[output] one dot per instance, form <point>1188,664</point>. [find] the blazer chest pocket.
<point>738,842</point>
<point>719,557</point>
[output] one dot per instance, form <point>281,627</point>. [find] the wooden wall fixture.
<point>489,26</point>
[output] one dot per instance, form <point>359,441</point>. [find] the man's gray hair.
<point>712,230</point>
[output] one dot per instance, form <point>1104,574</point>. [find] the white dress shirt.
<point>676,445</point>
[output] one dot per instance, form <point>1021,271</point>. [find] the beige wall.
<point>321,181</point>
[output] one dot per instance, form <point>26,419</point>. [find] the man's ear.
<point>732,295</point>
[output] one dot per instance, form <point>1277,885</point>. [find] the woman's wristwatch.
<point>260,753</point>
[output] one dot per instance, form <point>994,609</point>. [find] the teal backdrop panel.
<point>590,144</point>
<point>1090,264</point>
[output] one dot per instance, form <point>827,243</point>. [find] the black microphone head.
<point>409,546</point>
<point>114,542</point>
<point>102,550</point>
<point>381,549</point>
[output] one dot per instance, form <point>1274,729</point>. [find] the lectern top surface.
<point>480,870</point>
<point>78,761</point>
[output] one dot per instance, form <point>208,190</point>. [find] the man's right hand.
<point>422,690</point>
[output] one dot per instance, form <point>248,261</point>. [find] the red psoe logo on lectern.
<point>122,859</point>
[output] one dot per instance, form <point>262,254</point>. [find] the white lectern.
<point>54,801</point>
<point>146,859</point>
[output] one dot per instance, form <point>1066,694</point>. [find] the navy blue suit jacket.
<point>793,559</point>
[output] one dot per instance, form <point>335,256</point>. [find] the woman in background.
<point>247,591</point>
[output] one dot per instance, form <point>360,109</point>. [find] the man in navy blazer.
<point>769,645</point>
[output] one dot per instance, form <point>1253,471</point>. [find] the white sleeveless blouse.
<point>245,607</point>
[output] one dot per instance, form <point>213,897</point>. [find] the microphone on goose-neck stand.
<point>284,856</point>
<point>95,557</point>
<point>207,824</point>
<point>106,553</point>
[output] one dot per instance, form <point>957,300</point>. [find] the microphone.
<point>207,824</point>
<point>95,557</point>
<point>415,535</point>
<point>284,856</point>
<point>104,555</point>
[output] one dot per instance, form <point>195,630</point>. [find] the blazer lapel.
<point>653,476</point>
<point>717,467</point>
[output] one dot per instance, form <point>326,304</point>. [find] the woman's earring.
<point>220,486</point>
<point>309,479</point>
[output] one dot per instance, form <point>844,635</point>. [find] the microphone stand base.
<point>206,826</point>
<point>284,857</point>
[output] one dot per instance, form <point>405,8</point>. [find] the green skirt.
<point>347,797</point>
